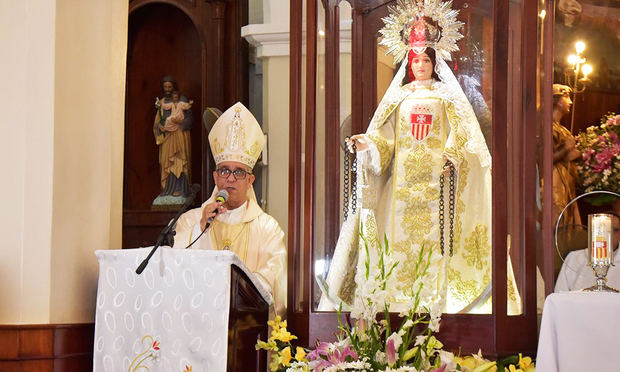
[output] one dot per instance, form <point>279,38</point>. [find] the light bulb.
<point>586,69</point>
<point>573,59</point>
<point>580,46</point>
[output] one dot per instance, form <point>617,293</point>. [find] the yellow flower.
<point>285,354</point>
<point>271,345</point>
<point>512,368</point>
<point>274,365</point>
<point>486,367</point>
<point>282,335</point>
<point>300,354</point>
<point>275,324</point>
<point>467,362</point>
<point>525,363</point>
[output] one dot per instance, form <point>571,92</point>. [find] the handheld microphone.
<point>221,197</point>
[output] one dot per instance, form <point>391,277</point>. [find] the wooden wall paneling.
<point>331,204</point>
<point>371,23</point>
<point>500,176</point>
<point>36,342</point>
<point>515,128</point>
<point>9,342</point>
<point>247,323</point>
<point>142,228</point>
<point>297,322</point>
<point>213,60</point>
<point>46,347</point>
<point>591,105</point>
<point>528,186</point>
<point>547,269</point>
<point>43,365</point>
<point>309,190</point>
<point>237,54</point>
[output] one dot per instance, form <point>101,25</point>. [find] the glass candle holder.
<point>600,249</point>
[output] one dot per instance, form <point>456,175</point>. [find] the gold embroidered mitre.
<point>237,136</point>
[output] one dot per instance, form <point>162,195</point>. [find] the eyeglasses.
<point>239,174</point>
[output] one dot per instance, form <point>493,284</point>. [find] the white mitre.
<point>237,136</point>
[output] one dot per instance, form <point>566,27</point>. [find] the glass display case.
<point>338,76</point>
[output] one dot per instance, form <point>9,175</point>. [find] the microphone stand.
<point>162,238</point>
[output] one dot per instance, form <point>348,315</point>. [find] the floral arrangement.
<point>279,344</point>
<point>371,343</point>
<point>599,168</point>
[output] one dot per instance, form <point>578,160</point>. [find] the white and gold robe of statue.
<point>252,234</point>
<point>411,136</point>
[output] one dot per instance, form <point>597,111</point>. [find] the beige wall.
<point>26,187</point>
<point>63,121</point>
<point>275,121</point>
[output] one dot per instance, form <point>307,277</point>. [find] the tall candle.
<point>600,229</point>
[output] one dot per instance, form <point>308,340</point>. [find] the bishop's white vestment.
<point>252,234</point>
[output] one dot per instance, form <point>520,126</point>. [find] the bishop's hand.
<point>209,212</point>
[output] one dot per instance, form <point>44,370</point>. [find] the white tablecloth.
<point>579,332</point>
<point>171,317</point>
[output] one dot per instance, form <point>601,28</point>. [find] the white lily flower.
<point>419,340</point>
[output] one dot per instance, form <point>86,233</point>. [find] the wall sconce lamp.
<point>579,77</point>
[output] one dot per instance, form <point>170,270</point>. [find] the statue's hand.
<point>571,151</point>
<point>447,167</point>
<point>574,154</point>
<point>360,142</point>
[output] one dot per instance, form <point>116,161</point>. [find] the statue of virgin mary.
<point>424,179</point>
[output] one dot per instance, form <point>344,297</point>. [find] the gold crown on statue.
<point>420,24</point>
<point>237,136</point>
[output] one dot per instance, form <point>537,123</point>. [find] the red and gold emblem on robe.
<point>421,125</point>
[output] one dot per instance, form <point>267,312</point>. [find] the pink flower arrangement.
<point>330,355</point>
<point>599,168</point>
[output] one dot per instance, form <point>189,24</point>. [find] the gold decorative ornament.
<point>434,18</point>
<point>237,136</point>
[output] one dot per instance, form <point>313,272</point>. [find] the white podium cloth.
<point>171,317</point>
<point>576,275</point>
<point>579,332</point>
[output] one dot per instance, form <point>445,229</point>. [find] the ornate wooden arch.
<point>217,76</point>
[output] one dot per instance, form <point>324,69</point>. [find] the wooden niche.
<point>199,44</point>
<point>508,33</point>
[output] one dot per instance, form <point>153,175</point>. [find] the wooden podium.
<point>189,310</point>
